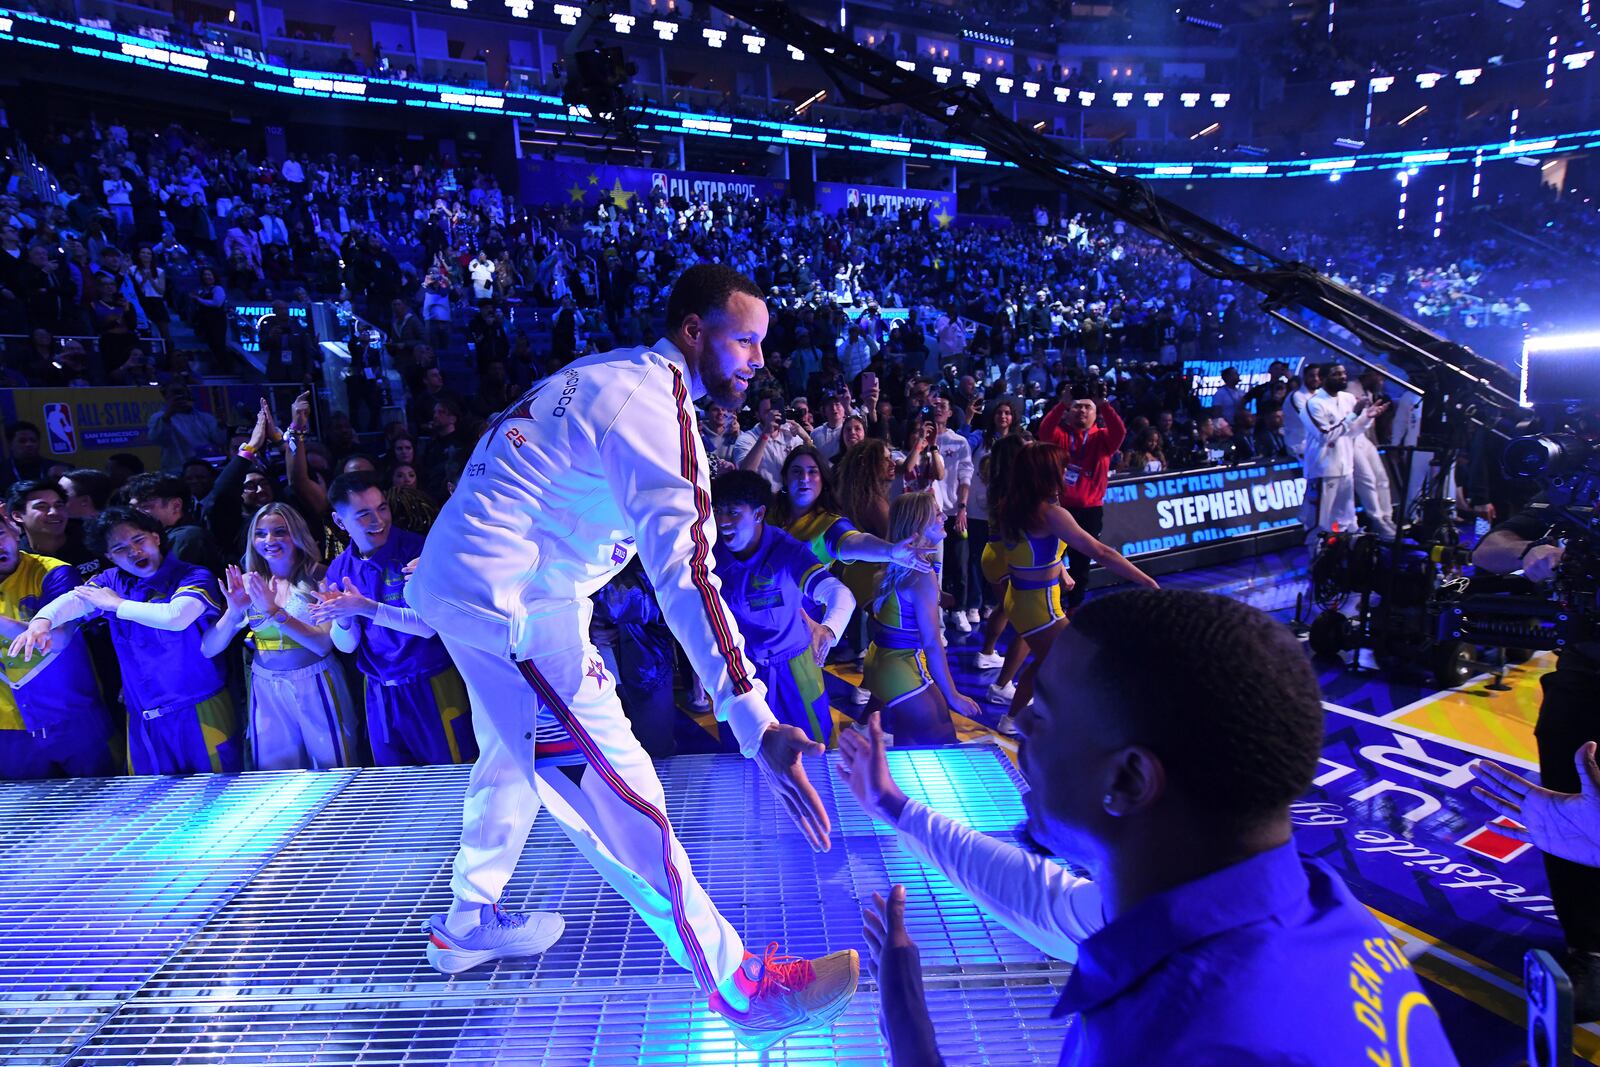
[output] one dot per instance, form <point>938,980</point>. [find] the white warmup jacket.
<point>1331,426</point>
<point>602,459</point>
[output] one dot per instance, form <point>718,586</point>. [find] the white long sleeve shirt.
<point>957,455</point>
<point>599,461</point>
<point>1041,902</point>
<point>1331,425</point>
<point>1294,427</point>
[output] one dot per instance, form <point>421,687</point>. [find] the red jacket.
<point>1090,452</point>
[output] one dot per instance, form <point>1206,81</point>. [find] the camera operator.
<point>1567,720</point>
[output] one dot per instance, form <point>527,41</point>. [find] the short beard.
<point>724,392</point>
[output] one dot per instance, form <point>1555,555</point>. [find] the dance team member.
<point>767,578</point>
<point>907,671</point>
<point>299,706</point>
<point>181,718</point>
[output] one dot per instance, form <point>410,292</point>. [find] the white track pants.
<point>1329,504</point>
<point>300,718</point>
<point>615,813</point>
<point>1372,489</point>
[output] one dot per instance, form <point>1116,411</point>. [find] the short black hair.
<point>157,487</point>
<point>1235,714</point>
<point>705,288</point>
<point>346,485</point>
<point>95,484</point>
<point>127,461</point>
<point>17,427</point>
<point>196,461</point>
<point>97,531</point>
<point>17,496</point>
<point>741,487</point>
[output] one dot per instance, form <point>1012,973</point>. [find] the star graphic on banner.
<point>620,196</point>
<point>594,179</point>
<point>943,217</point>
<point>597,671</point>
<point>576,192</point>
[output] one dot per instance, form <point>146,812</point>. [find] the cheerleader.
<point>1036,532</point>
<point>907,672</point>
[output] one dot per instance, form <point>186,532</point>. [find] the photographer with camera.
<point>765,446</point>
<point>1528,542</point>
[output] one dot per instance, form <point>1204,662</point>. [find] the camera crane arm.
<point>866,79</point>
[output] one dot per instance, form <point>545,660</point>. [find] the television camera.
<point>1420,605</point>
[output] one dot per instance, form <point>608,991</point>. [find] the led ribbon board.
<point>25,31</point>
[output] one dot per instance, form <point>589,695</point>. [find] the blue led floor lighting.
<point>294,931</point>
<point>102,879</point>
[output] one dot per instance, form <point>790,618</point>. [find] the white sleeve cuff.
<point>748,717</point>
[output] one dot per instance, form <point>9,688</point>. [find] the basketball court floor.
<point>274,918</point>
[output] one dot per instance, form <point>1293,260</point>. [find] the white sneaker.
<point>957,621</point>
<point>988,661</point>
<point>499,934</point>
<point>973,617</point>
<point>861,696</point>
<point>1008,726</point>
<point>1002,694</point>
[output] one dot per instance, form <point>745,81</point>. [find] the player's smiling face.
<point>729,343</point>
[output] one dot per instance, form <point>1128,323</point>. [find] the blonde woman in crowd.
<point>300,705</point>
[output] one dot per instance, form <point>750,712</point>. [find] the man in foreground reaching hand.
<point>1172,788</point>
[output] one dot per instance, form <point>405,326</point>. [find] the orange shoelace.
<point>790,972</point>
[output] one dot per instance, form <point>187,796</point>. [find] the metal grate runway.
<point>273,918</point>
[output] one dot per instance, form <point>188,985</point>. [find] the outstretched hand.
<point>1566,825</point>
<point>36,638</point>
<point>910,553</point>
<point>884,927</point>
<point>864,766</point>
<point>822,640</point>
<point>785,774</point>
<point>233,588</point>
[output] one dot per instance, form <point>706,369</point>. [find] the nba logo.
<point>63,436</point>
<point>658,183</point>
<point>852,197</point>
